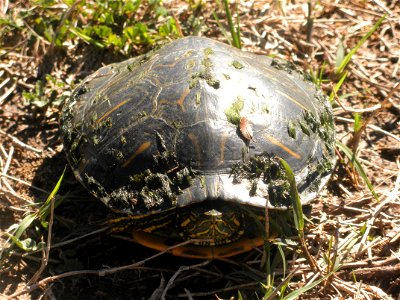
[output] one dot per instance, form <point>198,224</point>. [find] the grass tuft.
<point>360,170</point>
<point>40,215</point>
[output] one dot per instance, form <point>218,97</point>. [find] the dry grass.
<point>353,238</point>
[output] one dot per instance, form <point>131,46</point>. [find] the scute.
<point>161,131</point>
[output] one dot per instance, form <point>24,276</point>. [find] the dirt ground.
<point>349,226</point>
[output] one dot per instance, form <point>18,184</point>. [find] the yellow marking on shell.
<point>143,147</point>
<point>182,99</point>
<point>170,66</point>
<point>184,223</point>
<point>110,111</point>
<point>205,232</point>
<point>237,223</point>
<point>292,99</point>
<point>188,53</point>
<point>217,229</point>
<point>154,227</point>
<point>282,146</point>
<point>196,145</point>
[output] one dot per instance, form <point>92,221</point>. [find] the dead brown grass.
<point>349,226</point>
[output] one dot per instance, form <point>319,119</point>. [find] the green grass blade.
<point>294,195</point>
<point>222,28</point>
<point>268,271</point>
<point>357,122</point>
<point>26,245</point>
<point>238,27</point>
<point>337,87</point>
<point>235,37</point>
<point>15,238</point>
<point>24,224</point>
<point>350,155</point>
<point>240,297</point>
<point>85,37</point>
<point>283,259</point>
<point>44,210</point>
<point>340,54</point>
<point>56,187</point>
<point>320,74</point>
<point>348,57</point>
<point>40,214</point>
<point>295,294</point>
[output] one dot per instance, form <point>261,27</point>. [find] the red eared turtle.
<point>184,141</point>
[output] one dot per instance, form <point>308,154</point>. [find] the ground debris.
<point>350,230</point>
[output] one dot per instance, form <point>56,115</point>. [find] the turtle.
<point>184,144</point>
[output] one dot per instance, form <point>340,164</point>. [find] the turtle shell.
<point>198,121</point>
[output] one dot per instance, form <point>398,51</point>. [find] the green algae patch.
<point>291,130</point>
<point>233,112</point>
<point>237,64</point>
